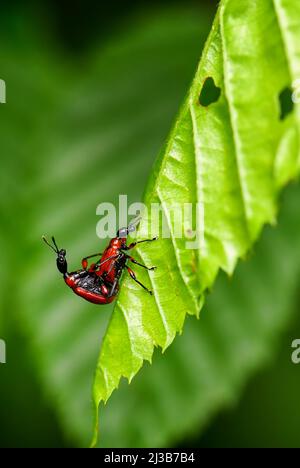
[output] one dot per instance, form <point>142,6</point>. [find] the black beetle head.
<point>122,233</point>
<point>61,260</point>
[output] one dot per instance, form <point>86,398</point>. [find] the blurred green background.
<point>92,90</point>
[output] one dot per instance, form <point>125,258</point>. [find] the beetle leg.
<point>114,264</point>
<point>112,292</point>
<point>84,261</point>
<point>131,246</point>
<point>131,259</point>
<point>132,274</point>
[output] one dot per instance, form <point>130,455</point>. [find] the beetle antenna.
<point>55,244</point>
<point>133,225</point>
<point>51,246</point>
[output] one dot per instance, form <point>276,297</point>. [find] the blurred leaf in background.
<point>76,133</point>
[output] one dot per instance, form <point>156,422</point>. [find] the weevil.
<point>99,283</point>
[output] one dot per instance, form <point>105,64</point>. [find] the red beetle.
<point>99,283</point>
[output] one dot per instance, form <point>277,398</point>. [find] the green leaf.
<point>223,158</point>
<point>206,368</point>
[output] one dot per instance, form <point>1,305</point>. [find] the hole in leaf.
<point>286,103</point>
<point>210,93</point>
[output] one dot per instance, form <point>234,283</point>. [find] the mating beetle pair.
<point>99,283</point>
